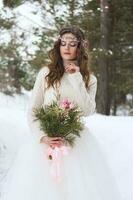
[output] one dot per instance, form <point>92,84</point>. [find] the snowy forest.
<point>28,29</point>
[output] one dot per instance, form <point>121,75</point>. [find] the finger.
<point>55,143</point>
<point>75,69</point>
<point>68,69</point>
<point>60,140</point>
<point>55,138</point>
<point>72,67</point>
<point>71,64</point>
<point>59,144</point>
<point>72,71</point>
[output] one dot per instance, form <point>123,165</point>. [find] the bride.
<point>85,173</point>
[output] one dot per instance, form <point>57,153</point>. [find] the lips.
<point>67,53</point>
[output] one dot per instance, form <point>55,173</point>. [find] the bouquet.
<point>60,119</point>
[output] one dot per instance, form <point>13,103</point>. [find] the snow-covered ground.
<point>114,134</point>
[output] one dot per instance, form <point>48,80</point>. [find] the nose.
<point>67,46</point>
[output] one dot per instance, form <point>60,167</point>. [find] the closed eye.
<point>72,44</point>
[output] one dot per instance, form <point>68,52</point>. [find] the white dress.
<point>84,171</point>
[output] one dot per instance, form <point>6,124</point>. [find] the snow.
<point>1,4</point>
<point>13,128</point>
<point>114,135</point>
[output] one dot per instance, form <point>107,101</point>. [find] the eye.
<point>73,44</point>
<point>63,43</point>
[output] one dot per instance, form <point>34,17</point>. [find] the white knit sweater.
<point>72,87</point>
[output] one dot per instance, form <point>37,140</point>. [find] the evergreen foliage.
<point>56,121</point>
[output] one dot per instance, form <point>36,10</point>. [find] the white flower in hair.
<point>85,43</point>
<point>68,38</point>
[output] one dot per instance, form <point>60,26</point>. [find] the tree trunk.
<point>103,104</point>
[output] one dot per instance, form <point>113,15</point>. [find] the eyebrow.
<point>69,39</point>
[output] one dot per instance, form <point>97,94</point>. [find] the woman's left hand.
<point>71,68</point>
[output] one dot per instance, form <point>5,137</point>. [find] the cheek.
<point>74,52</point>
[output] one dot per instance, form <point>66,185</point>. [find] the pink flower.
<point>66,104</point>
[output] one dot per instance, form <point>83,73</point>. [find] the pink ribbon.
<point>57,154</point>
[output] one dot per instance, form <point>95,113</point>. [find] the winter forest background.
<point>29,28</point>
<point>27,31</point>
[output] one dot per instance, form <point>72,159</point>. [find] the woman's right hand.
<point>71,68</point>
<point>52,141</point>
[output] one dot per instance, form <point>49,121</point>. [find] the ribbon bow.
<point>56,155</point>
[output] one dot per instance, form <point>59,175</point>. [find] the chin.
<point>67,57</point>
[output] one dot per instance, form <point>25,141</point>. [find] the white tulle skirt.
<point>84,172</point>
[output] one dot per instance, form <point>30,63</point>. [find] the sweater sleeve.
<point>36,101</point>
<point>86,97</point>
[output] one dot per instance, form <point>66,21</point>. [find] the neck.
<point>67,62</point>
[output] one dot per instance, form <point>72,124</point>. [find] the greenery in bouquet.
<point>60,119</point>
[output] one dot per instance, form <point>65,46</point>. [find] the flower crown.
<point>85,43</point>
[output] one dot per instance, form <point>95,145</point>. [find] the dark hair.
<point>75,31</point>
<point>56,68</point>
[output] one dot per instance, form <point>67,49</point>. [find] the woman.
<point>85,174</point>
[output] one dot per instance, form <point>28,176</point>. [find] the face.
<point>68,46</point>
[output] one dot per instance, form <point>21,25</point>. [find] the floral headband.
<point>85,43</point>
<point>68,38</point>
